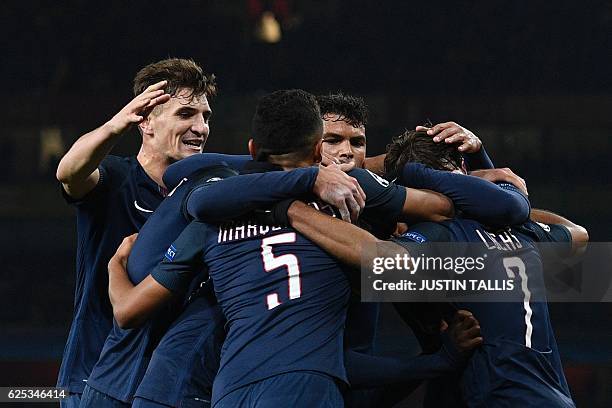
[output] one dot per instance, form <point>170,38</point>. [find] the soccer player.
<point>114,196</point>
<point>282,348</point>
<point>519,354</point>
<point>126,353</point>
<point>180,353</point>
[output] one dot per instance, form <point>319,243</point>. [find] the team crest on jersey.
<point>414,236</point>
<point>170,253</point>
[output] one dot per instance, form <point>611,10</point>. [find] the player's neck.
<point>153,164</point>
<point>289,164</point>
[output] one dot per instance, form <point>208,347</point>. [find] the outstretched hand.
<point>139,108</point>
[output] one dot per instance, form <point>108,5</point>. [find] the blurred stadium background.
<point>532,79</point>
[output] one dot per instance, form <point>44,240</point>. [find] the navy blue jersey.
<point>384,204</point>
<point>220,201</point>
<point>189,165</point>
<point>184,363</point>
<point>118,206</point>
<point>519,361</point>
<point>126,352</point>
<point>284,298</point>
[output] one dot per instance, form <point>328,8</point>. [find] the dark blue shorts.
<point>96,399</point>
<point>299,389</point>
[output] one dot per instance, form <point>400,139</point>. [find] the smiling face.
<point>343,141</point>
<point>179,128</point>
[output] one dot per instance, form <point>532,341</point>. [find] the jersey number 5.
<point>289,261</point>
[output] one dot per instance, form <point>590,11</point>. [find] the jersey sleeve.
<point>183,259</point>
<point>427,232</point>
<point>550,232</point>
<point>113,170</point>
<point>384,201</point>
<point>479,199</point>
<point>236,196</point>
<point>478,160</point>
<point>183,168</point>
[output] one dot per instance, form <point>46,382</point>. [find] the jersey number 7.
<point>514,262</point>
<point>289,261</point>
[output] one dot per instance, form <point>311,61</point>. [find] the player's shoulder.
<point>115,170</point>
<point>191,165</point>
<point>366,178</point>
<point>118,163</point>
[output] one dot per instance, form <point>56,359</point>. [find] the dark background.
<point>532,79</point>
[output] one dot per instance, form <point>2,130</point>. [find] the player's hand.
<point>504,175</point>
<point>451,132</point>
<point>337,188</point>
<point>123,252</point>
<point>139,108</point>
<point>327,159</point>
<point>464,331</point>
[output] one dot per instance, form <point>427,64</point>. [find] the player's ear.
<point>252,149</point>
<point>145,127</point>
<point>317,151</point>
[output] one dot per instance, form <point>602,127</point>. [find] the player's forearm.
<point>217,201</point>
<point>85,155</point>
<point>342,240</point>
<point>478,160</point>
<point>133,304</point>
<point>374,371</point>
<point>477,198</point>
<point>580,235</point>
<point>119,289</point>
<point>375,164</point>
<point>426,205</point>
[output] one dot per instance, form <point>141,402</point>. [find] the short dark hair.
<point>286,121</point>
<point>180,73</point>
<point>419,147</point>
<point>350,109</point>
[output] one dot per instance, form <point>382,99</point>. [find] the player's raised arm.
<point>579,235</point>
<point>132,305</point>
<point>78,169</point>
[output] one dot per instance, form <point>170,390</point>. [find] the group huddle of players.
<point>241,288</point>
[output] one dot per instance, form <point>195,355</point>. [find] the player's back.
<point>285,300</point>
<point>518,362</point>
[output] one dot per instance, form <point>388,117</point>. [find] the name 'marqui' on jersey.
<point>284,298</point>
